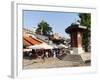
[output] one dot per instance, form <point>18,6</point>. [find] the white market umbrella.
<point>35,47</point>
<point>27,50</point>
<point>41,46</point>
<point>54,46</point>
<point>62,46</point>
<point>46,46</point>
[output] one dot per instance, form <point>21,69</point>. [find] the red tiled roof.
<point>26,43</point>
<point>28,40</point>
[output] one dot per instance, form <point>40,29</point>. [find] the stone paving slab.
<point>49,63</point>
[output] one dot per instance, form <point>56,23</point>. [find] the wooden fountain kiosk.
<point>76,32</point>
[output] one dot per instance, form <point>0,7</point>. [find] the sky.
<point>59,21</point>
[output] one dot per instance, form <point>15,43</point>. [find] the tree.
<point>86,21</point>
<point>44,28</point>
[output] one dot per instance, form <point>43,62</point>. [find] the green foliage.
<point>86,21</point>
<point>44,28</point>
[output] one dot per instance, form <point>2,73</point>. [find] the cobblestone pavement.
<point>50,63</point>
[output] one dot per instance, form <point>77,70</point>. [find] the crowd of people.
<point>44,53</point>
